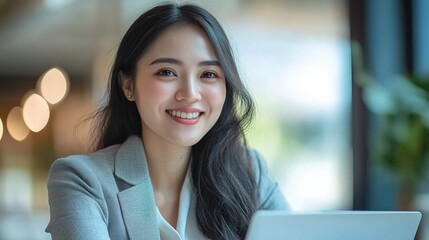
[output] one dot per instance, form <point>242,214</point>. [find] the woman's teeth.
<point>183,114</point>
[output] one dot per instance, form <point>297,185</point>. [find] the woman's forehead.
<point>181,40</point>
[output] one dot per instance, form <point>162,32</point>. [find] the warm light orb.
<point>1,129</point>
<point>15,124</point>
<point>54,85</point>
<point>35,112</point>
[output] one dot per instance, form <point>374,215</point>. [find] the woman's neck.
<point>167,164</point>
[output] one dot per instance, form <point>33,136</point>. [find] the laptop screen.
<point>332,225</point>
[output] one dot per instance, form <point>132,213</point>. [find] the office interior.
<point>341,86</point>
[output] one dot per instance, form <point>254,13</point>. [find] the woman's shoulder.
<point>270,194</point>
<point>258,163</point>
<point>100,160</point>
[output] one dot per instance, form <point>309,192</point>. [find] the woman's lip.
<point>186,110</point>
<point>187,118</point>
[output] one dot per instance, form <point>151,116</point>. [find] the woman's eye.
<point>209,75</point>
<point>167,73</point>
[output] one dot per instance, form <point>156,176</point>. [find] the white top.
<point>187,227</point>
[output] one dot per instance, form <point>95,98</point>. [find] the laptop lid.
<point>333,225</point>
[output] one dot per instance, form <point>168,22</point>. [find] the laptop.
<point>333,225</point>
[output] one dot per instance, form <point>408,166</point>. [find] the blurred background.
<point>341,88</point>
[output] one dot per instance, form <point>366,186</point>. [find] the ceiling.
<point>36,35</point>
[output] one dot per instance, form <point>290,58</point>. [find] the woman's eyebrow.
<point>209,63</point>
<point>178,62</point>
<point>167,60</point>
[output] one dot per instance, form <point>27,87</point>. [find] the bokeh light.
<point>1,129</point>
<point>15,124</point>
<point>35,112</point>
<point>54,85</point>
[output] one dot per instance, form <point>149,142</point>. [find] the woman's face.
<point>179,88</point>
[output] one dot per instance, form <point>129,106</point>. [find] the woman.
<point>171,159</point>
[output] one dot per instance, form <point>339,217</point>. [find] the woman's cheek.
<point>217,96</point>
<point>155,91</point>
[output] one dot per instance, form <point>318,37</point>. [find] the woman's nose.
<point>189,91</point>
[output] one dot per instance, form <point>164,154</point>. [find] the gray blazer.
<point>108,194</point>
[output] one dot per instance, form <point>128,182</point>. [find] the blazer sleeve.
<point>270,195</point>
<point>76,201</point>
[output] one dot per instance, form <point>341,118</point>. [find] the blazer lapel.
<point>137,202</point>
<point>138,212</point>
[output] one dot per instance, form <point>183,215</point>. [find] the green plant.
<point>402,107</point>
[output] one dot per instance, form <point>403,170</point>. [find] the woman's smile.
<point>187,116</point>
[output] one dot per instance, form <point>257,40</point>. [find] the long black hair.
<point>221,167</point>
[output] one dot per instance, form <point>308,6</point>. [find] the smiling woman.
<point>172,77</point>
<point>170,160</point>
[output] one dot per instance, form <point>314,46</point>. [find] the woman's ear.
<point>127,86</point>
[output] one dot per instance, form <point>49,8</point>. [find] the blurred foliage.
<point>402,105</point>
<point>266,134</point>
